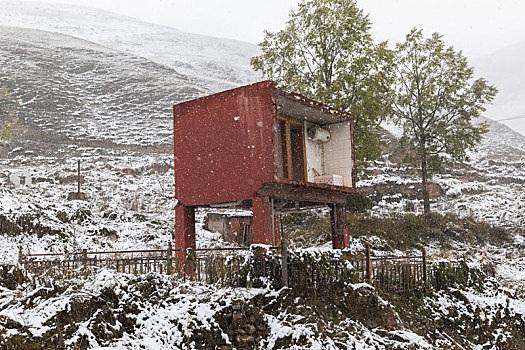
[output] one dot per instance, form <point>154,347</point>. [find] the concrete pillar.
<point>340,232</point>
<point>262,220</point>
<point>184,228</point>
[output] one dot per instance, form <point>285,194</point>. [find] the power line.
<point>511,118</point>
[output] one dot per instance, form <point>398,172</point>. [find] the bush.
<point>410,231</point>
<point>307,229</point>
<point>359,203</point>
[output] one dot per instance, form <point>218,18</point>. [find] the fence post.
<point>84,257</point>
<point>188,264</point>
<point>170,258</point>
<point>424,255</point>
<point>65,264</point>
<point>368,265</point>
<point>284,256</point>
<point>20,255</point>
<point>408,272</point>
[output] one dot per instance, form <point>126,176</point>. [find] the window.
<point>292,157</point>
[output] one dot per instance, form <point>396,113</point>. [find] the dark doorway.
<point>292,156</point>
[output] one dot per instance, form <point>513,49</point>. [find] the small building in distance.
<point>262,149</point>
<point>234,227</point>
<point>21,178</point>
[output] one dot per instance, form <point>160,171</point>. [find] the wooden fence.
<point>387,273</point>
<point>394,273</point>
<point>203,265</point>
<point>244,267</point>
<point>445,274</point>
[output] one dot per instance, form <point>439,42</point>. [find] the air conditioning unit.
<point>318,134</point>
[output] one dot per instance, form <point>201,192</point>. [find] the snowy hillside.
<point>112,110</point>
<point>489,187</point>
<point>216,63</point>
<point>71,89</point>
<point>109,109</point>
<point>99,88</point>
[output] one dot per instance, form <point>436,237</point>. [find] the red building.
<point>260,148</point>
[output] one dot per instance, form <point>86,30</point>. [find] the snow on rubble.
<point>157,311</point>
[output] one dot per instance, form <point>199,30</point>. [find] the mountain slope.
<point>112,110</point>
<point>71,89</point>
<point>489,187</point>
<point>216,63</point>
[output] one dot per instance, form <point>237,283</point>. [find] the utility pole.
<point>78,179</point>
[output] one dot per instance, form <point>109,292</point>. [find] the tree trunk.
<point>424,184</point>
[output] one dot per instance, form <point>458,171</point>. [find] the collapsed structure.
<point>259,148</point>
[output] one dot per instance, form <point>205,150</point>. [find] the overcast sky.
<point>477,27</point>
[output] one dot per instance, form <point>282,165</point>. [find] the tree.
<point>8,120</point>
<point>326,52</point>
<point>435,100</point>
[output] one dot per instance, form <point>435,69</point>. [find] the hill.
<point>215,63</point>
<point>71,90</point>
<point>110,110</point>
<point>488,187</point>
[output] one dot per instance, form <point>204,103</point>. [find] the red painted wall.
<point>223,145</point>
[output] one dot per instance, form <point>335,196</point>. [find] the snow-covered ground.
<point>99,87</point>
<point>489,187</point>
<point>167,313</point>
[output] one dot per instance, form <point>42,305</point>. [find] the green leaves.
<point>436,101</point>
<point>326,52</point>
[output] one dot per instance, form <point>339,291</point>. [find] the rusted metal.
<point>302,192</point>
<point>262,220</point>
<point>308,104</point>
<point>223,145</point>
<point>184,228</point>
<point>340,235</point>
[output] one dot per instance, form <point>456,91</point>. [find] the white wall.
<point>22,178</point>
<point>338,152</point>
<point>333,157</point>
<point>314,155</point>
